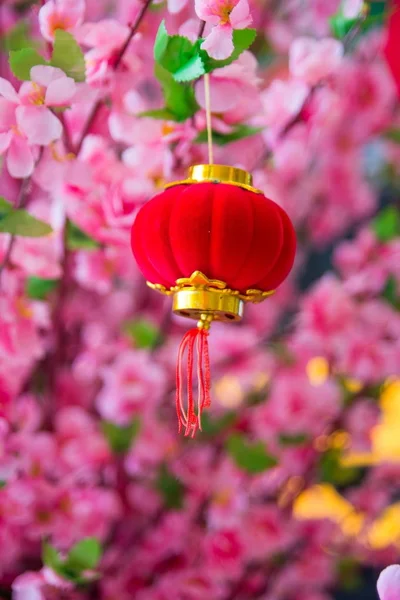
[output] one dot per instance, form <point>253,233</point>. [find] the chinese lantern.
<point>212,242</point>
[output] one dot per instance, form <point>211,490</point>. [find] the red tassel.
<point>195,340</point>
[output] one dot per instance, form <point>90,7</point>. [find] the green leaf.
<point>159,113</point>
<point>143,333</point>
<point>161,42</point>
<point>17,38</point>
<point>171,489</point>
<point>251,457</point>
<point>85,555</point>
<point>5,207</point>
<point>51,558</point>
<point>341,25</point>
<point>390,292</point>
<point>178,55</point>
<point>38,288</point>
<point>68,56</point>
<point>242,40</point>
<point>20,222</point>
<point>213,427</point>
<point>120,438</point>
<point>331,470</point>
<point>221,139</point>
<point>78,239</point>
<point>393,135</point>
<point>22,61</point>
<point>179,97</point>
<point>294,440</point>
<point>387,224</point>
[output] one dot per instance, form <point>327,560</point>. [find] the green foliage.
<point>143,333</point>
<point>120,438</point>
<point>178,55</point>
<point>17,38</point>
<point>294,440</point>
<point>221,139</point>
<point>20,222</point>
<point>341,26</point>
<point>186,61</point>
<point>68,56</point>
<point>242,40</point>
<point>393,135</point>
<point>331,470</point>
<point>250,456</point>
<point>180,101</point>
<point>213,427</point>
<point>390,293</point>
<point>170,488</point>
<point>38,288</point>
<point>387,224</point>
<point>22,61</point>
<point>349,574</point>
<point>84,556</point>
<point>78,239</point>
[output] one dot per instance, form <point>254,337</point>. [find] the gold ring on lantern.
<point>218,174</point>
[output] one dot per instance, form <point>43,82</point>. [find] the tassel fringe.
<point>195,344</point>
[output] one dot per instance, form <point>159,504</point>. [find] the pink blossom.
<point>28,586</point>
<point>311,60</point>
<point>389,583</point>
<point>104,38</point>
<point>131,385</point>
<point>224,16</point>
<point>283,100</point>
<point>352,8</point>
<point>60,14</point>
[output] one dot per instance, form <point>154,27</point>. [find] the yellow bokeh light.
<point>229,392</point>
<point>317,370</point>
<point>385,530</point>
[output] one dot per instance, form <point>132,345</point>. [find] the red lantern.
<point>213,242</point>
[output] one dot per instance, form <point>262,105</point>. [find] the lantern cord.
<point>195,343</point>
<point>207,94</point>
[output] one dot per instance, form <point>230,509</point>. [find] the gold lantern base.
<point>194,304</point>
<point>198,295</point>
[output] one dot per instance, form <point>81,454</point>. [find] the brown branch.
<point>133,30</point>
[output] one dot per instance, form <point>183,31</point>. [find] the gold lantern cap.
<point>218,174</point>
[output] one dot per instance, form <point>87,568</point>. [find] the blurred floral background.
<point>291,492</point>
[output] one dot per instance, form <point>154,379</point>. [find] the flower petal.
<point>219,43</point>
<point>60,92</point>
<point>240,17</point>
<point>175,6</point>
<point>19,161</point>
<point>44,75</point>
<point>5,140</point>
<point>7,91</point>
<point>205,11</point>
<point>39,124</point>
<point>7,115</point>
<point>389,583</point>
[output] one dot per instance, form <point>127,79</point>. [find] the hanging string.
<point>207,94</point>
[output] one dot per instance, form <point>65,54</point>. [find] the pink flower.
<point>19,160</point>
<point>105,38</point>
<point>25,118</point>
<point>28,586</point>
<point>352,8</point>
<point>389,583</point>
<point>131,386</point>
<point>60,14</point>
<point>312,60</point>
<point>224,552</point>
<point>283,100</point>
<point>224,16</point>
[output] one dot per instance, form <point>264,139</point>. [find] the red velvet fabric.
<point>224,231</point>
<point>392,44</point>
